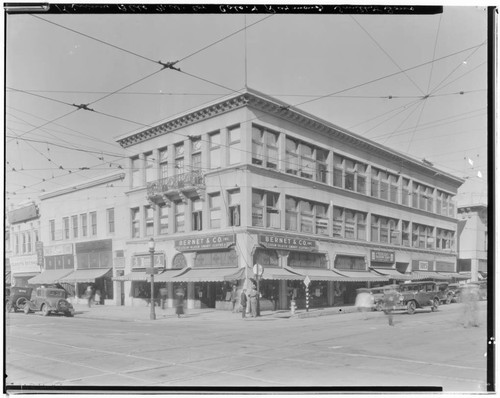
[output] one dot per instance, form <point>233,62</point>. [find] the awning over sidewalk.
<point>168,275</point>
<point>316,274</point>
<point>85,275</point>
<point>49,277</point>
<point>454,275</point>
<point>362,276</point>
<point>420,275</point>
<point>203,275</point>
<point>132,276</point>
<point>392,274</point>
<point>270,273</point>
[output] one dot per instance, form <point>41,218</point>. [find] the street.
<point>428,349</point>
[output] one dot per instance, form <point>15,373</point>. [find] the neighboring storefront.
<point>24,268</point>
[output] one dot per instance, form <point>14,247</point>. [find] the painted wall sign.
<point>23,214</point>
<point>144,260</point>
<point>95,245</point>
<point>382,256</point>
<point>205,242</point>
<point>286,242</point>
<point>58,250</point>
<point>423,265</point>
<point>20,264</point>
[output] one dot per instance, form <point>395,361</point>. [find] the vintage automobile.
<point>17,298</point>
<point>418,295</point>
<point>47,300</point>
<point>454,292</point>
<point>445,293</point>
<point>378,295</point>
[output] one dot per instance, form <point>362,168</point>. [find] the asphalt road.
<point>421,350</point>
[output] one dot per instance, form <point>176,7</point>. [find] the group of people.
<point>248,300</point>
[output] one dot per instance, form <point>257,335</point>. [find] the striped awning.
<point>49,277</point>
<point>85,275</point>
<point>362,276</point>
<point>392,274</point>
<point>420,275</point>
<point>316,274</point>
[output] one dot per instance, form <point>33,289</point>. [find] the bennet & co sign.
<point>286,242</point>
<point>205,243</point>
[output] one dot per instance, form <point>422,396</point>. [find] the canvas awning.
<point>168,275</point>
<point>277,273</point>
<point>420,275</point>
<point>132,276</point>
<point>203,275</point>
<point>49,277</point>
<point>25,274</point>
<point>85,275</point>
<point>392,274</point>
<point>362,276</point>
<point>316,274</point>
<point>454,275</point>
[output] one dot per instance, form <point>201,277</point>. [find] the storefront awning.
<point>315,274</point>
<point>25,275</point>
<point>362,276</point>
<point>49,277</point>
<point>392,274</point>
<point>132,276</point>
<point>454,275</point>
<point>420,275</point>
<point>85,275</point>
<point>203,275</point>
<point>168,275</point>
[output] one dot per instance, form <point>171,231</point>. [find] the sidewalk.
<point>142,314</point>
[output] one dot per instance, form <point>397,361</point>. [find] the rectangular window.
<point>17,239</point>
<point>66,227</point>
<point>234,208</point>
<point>163,219</point>
<point>292,156</point>
<point>264,147</point>
<point>179,158</point>
<point>307,163</point>
<point>321,169</point>
<point>384,185</point>
<point>272,210</point>
<point>136,172</point>
<point>234,143</point>
<point>405,233</point>
<point>93,223</point>
<point>163,163</point>
<point>291,214</point>
<point>52,227</point>
<point>338,171</point>
<point>306,216</point>
<point>361,178</point>
<point>28,248</point>
<point>135,223</point>
<point>405,195</point>
<point>393,188</point>
<point>321,219</point>
<point>349,224</point>
<point>149,221</point>
<point>110,215</point>
<point>179,209</point>
<point>83,219</point>
<point>257,208</point>
<point>197,214</point>
<point>150,167</point>
<point>338,221</point>
<point>24,243</point>
<point>196,154</point>
<point>214,203</point>
<point>349,175</point>
<point>215,151</point>
<point>361,226</point>
<point>375,228</point>
<point>74,220</point>
<point>374,182</point>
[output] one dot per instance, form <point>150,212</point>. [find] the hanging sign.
<point>286,242</point>
<point>205,243</point>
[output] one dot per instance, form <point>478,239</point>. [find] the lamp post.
<point>151,245</point>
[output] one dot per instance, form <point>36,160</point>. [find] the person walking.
<point>179,308</point>
<point>163,296</point>
<point>252,294</point>
<point>364,302</point>
<point>390,300</point>
<point>243,303</point>
<point>234,297</point>
<point>469,297</point>
<point>89,293</point>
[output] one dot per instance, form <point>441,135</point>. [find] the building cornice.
<point>85,185</point>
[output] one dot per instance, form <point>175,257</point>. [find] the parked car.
<point>454,292</point>
<point>418,295</point>
<point>17,297</point>
<point>444,292</point>
<point>378,295</point>
<point>49,300</point>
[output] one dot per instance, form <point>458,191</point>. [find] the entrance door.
<point>205,292</point>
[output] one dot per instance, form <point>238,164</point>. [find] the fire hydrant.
<point>292,307</point>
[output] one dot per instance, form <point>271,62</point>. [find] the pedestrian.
<point>179,308</point>
<point>243,303</point>
<point>234,297</point>
<point>89,294</point>
<point>364,302</point>
<point>252,295</point>
<point>469,296</point>
<point>163,296</point>
<point>390,300</point>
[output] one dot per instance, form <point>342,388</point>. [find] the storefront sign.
<point>423,265</point>
<point>23,214</point>
<point>144,261</point>
<point>22,264</point>
<point>286,242</point>
<point>382,256</point>
<point>205,243</point>
<point>58,250</point>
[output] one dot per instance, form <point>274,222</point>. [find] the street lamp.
<point>151,245</point>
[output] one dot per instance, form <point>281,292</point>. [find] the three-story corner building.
<point>250,180</point>
<point>83,237</point>
<point>23,246</point>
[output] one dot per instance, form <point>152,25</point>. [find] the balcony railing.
<point>181,182</point>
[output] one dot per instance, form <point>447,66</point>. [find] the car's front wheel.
<point>21,302</point>
<point>9,307</point>
<point>411,307</point>
<point>435,304</point>
<point>45,310</point>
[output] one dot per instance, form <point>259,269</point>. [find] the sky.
<point>415,83</point>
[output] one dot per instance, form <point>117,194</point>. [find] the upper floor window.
<point>265,209</point>
<point>74,220</point>
<point>234,144</point>
<point>195,154</point>
<point>445,239</point>
<point>306,159</point>
<point>110,215</point>
<point>180,217</point>
<point>93,223</point>
<point>214,204</point>
<point>150,167</point>
<point>197,214</point>
<point>313,216</point>
<point>349,224</point>
<point>149,220</point>
<point>423,197</point>
<point>164,163</point>
<point>422,236</point>
<point>179,158</point>
<point>28,243</point>
<point>405,194</point>
<point>234,208</point>
<point>83,219</point>
<point>215,150</point>
<point>385,230</point>
<point>163,219</point>
<point>24,243</point>
<point>66,227</point>
<point>52,227</point>
<point>349,174</point>
<point>136,172</point>
<point>384,185</point>
<point>16,239</point>
<point>135,222</point>
<point>264,147</point>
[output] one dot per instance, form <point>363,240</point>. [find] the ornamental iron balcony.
<point>184,183</point>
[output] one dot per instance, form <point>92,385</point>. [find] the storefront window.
<point>352,263</point>
<point>306,260</point>
<point>266,258</point>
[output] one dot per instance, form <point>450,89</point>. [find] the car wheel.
<point>411,307</point>
<point>435,304</point>
<point>45,310</point>
<point>21,303</point>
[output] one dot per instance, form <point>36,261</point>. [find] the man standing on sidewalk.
<point>243,303</point>
<point>252,295</point>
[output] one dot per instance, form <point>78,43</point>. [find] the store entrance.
<point>205,293</point>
